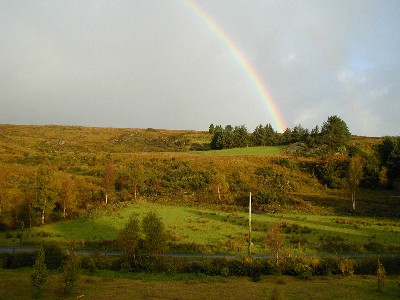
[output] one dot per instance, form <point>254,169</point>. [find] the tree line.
<point>333,134</point>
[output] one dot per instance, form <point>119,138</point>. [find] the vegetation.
<point>144,191</point>
<point>39,273</point>
<point>110,284</point>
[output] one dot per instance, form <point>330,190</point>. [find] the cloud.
<point>155,64</point>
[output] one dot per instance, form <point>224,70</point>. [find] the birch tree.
<point>354,177</point>
<point>45,192</point>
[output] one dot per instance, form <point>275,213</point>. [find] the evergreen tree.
<point>335,133</point>
<point>240,137</point>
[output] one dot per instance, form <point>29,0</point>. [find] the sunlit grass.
<point>222,231</point>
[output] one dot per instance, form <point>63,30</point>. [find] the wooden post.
<point>249,248</point>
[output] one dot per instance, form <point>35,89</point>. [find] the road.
<point>13,249</point>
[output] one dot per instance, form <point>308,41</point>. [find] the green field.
<point>15,284</point>
<point>217,230</point>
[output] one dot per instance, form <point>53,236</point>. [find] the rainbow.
<point>243,62</point>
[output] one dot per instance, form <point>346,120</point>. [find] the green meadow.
<point>218,231</point>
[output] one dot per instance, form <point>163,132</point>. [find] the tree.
<point>274,240</point>
<point>380,276</point>
<point>264,136</point>
<point>109,178</point>
<point>155,237</point>
<point>39,273</point>
<point>71,273</point>
<point>211,129</point>
<point>389,153</point>
<point>67,196</point>
<point>354,176</point>
<point>46,192</point>
<point>128,238</point>
<point>240,136</point>
<point>217,139</point>
<point>220,183</point>
<point>299,134</point>
<point>286,137</point>
<point>335,133</point>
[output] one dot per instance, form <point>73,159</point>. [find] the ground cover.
<point>219,231</point>
<point>15,284</point>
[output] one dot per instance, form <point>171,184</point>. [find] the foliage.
<point>346,267</point>
<point>380,276</point>
<point>264,136</point>
<point>70,275</point>
<point>354,177</point>
<point>274,240</point>
<point>54,255</point>
<point>129,238</point>
<point>39,273</point>
<point>45,192</point>
<point>155,237</point>
<point>335,133</point>
<point>389,153</point>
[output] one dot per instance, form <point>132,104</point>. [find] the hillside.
<point>84,168</point>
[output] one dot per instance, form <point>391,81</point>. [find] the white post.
<point>249,249</point>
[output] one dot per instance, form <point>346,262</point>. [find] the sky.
<point>186,64</point>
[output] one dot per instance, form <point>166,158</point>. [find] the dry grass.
<point>15,284</point>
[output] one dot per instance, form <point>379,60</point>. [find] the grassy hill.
<point>159,166</point>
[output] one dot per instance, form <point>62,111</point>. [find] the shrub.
<point>225,271</point>
<point>347,267</point>
<point>18,260</point>
<point>54,255</point>
<point>70,274</point>
<point>89,263</point>
<point>327,266</point>
<point>380,276</point>
<point>39,273</point>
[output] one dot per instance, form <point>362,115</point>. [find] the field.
<point>220,231</point>
<point>15,284</point>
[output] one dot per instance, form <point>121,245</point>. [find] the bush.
<point>327,266</point>
<point>89,263</point>
<point>39,273</point>
<point>347,267</point>
<point>380,276</point>
<point>18,259</point>
<point>298,266</point>
<point>70,274</point>
<point>54,256</point>
<point>225,271</point>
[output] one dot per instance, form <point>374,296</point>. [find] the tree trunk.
<point>106,198</point>
<point>353,199</point>
<point>30,215</point>
<point>64,211</point>
<point>42,216</point>
<point>135,191</point>
<point>219,193</point>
